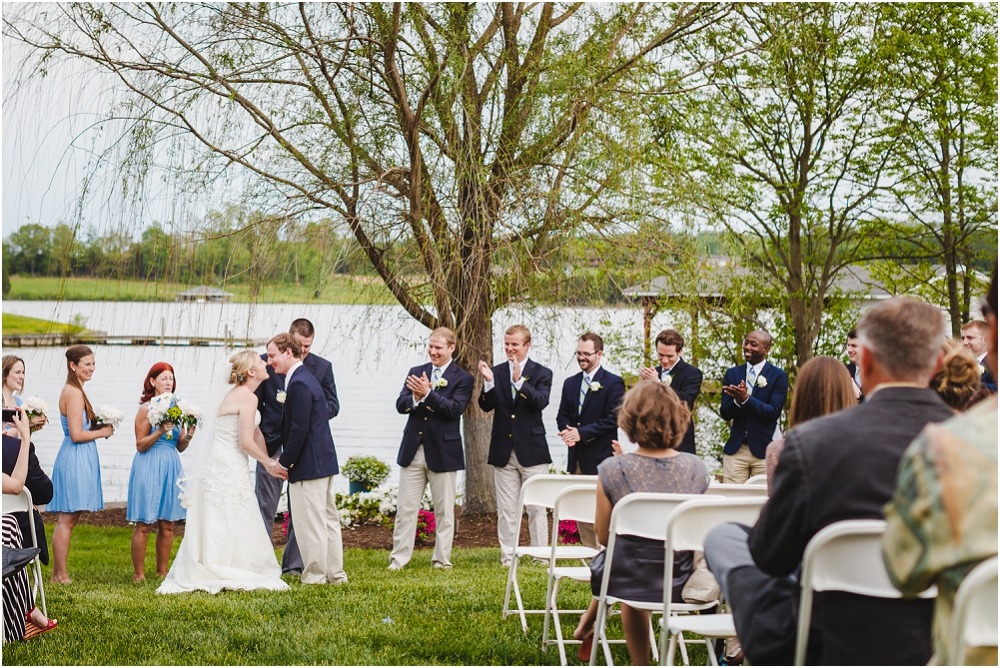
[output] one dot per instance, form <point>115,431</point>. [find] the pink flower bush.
<point>569,534</point>
<point>425,524</point>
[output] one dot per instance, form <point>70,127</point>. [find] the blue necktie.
<point>584,387</point>
<point>751,378</point>
<point>513,389</point>
<point>435,377</point>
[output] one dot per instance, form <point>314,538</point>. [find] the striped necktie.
<point>435,377</point>
<point>584,387</point>
<point>513,389</point>
<point>751,378</point>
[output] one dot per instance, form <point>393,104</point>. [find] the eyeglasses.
<point>586,355</point>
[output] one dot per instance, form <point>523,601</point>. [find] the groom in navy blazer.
<point>434,396</point>
<point>517,391</point>
<point>268,487</point>
<point>753,396</point>
<point>310,460</point>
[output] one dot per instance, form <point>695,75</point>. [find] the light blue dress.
<point>153,493</point>
<point>76,475</point>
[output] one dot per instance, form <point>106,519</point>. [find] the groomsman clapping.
<point>434,396</point>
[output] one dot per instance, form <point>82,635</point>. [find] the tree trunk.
<point>477,344</point>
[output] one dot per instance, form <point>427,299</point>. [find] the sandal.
<point>31,629</point>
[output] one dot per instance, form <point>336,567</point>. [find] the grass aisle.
<point>437,617</point>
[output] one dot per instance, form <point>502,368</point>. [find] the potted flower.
<point>365,473</point>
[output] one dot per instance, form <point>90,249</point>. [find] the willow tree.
<point>483,133</point>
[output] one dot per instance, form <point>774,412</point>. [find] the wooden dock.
<point>63,340</point>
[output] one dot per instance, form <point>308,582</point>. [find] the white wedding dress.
<point>225,545</point>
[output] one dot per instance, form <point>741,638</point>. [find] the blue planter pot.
<point>357,487</point>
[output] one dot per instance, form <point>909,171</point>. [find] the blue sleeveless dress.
<point>76,475</point>
<point>153,493</point>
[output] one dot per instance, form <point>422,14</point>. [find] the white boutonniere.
<point>761,381</point>
<point>595,386</point>
<point>281,396</point>
<point>982,369</point>
<point>441,382</point>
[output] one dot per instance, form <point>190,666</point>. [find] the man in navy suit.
<point>588,415</point>
<point>434,397</point>
<point>269,487</point>
<point>310,460</point>
<point>854,355</point>
<point>683,378</point>
<point>518,388</point>
<point>752,397</point>
<point>974,337</point>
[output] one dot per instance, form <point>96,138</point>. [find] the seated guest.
<point>957,381</point>
<point>823,386</point>
<point>38,483</point>
<point>21,618</point>
<point>838,467</point>
<point>942,520</point>
<point>654,417</point>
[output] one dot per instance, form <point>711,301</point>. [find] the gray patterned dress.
<point>638,563</point>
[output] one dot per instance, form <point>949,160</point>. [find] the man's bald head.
<point>756,346</point>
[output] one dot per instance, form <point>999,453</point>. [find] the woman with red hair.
<point>153,494</point>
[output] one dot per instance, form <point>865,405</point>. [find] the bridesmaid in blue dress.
<point>153,495</point>
<point>76,474</point>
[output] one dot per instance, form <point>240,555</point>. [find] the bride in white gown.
<point>225,546</point>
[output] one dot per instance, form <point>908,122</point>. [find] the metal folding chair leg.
<point>512,584</point>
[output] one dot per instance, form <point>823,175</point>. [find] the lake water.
<point>371,348</point>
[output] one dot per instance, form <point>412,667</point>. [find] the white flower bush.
<point>375,507</point>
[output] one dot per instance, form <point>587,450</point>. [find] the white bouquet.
<point>107,415</point>
<point>34,407</point>
<point>190,414</point>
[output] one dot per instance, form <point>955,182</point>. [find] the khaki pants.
<point>588,536</point>
<point>412,481</point>
<point>508,480</point>
<point>739,467</point>
<point>317,524</point>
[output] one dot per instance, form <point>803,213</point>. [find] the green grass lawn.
<point>416,616</point>
<point>19,324</point>
<point>339,290</point>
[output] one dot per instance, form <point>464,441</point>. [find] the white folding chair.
<point>542,490</point>
<point>733,491</point>
<point>686,530</point>
<point>843,556</point>
<point>644,515</point>
<point>759,479</point>
<point>974,621</point>
<point>577,503</point>
<point>17,503</point>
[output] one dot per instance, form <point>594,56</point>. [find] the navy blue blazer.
<point>758,417</point>
<point>597,421</point>
<point>435,422</point>
<point>517,423</point>
<point>271,411</point>
<point>686,380</point>
<point>40,486</point>
<point>988,380</point>
<point>309,452</point>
